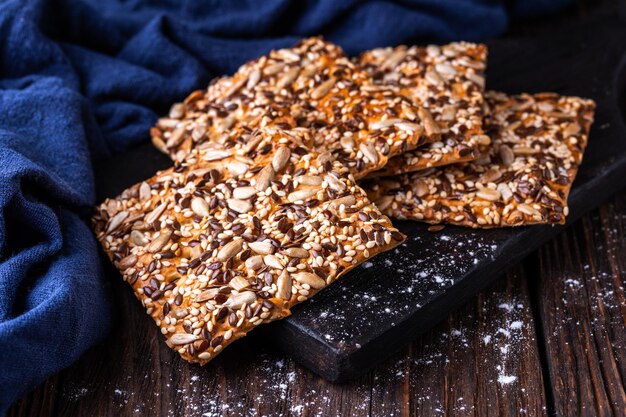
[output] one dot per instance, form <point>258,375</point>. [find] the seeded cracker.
<point>537,145</point>
<point>213,252</point>
<point>447,80</point>
<point>313,85</point>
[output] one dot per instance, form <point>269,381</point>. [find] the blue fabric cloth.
<point>82,80</point>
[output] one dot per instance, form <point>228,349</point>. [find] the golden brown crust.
<point>447,80</point>
<point>312,85</point>
<point>537,145</point>
<point>216,247</point>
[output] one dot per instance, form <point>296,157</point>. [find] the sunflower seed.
<point>263,248</point>
<point>488,194</point>
<point>420,188</point>
<point>181,312</point>
<point>283,285</point>
<point>430,126</point>
<point>272,261</point>
<point>288,55</point>
<point>264,177</point>
<point>182,338</point>
<point>383,124</point>
<point>505,191</point>
<point>127,262</point>
<point>289,76</point>
<point>160,241</point>
<point>571,129</point>
<point>491,175</point>
<point>198,132</point>
<point>482,140</point>
<point>309,278</point>
<point>325,157</point>
<point>302,195</point>
<point>310,180</point>
<point>394,59</point>
<point>155,214</point>
<point>369,151</point>
<point>200,207</point>
<point>296,252</point>
<point>215,155</point>
<point>273,68</point>
<point>280,159</point>
<point>445,69</point>
<point>448,113</point>
<point>116,221</point>
<point>145,192</point>
<point>206,295</point>
<point>407,110</point>
<point>236,301</point>
<point>507,155</point>
<point>433,77</point>
<point>176,137</point>
<point>237,168</point>
<point>229,250</point>
<point>177,111</point>
<point>235,87</point>
<point>476,79</point>
<point>253,143</point>
<point>138,238</point>
<point>254,263</point>
<point>243,193</point>
<point>253,78</point>
<point>240,206</point>
<point>322,89</point>
<point>524,150</point>
<point>346,142</point>
<point>239,283</point>
<point>527,209</point>
<point>347,201</point>
<point>408,126</point>
<point>334,183</point>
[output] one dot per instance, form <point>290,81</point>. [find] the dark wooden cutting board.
<point>374,310</point>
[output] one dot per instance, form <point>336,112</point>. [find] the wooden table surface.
<point>549,338</point>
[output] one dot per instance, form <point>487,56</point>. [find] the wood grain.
<point>583,314</point>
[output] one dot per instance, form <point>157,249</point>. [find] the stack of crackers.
<point>285,175</point>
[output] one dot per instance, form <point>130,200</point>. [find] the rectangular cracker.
<point>313,85</point>
<point>211,252</point>
<point>537,145</point>
<point>447,80</point>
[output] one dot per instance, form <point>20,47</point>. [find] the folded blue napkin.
<point>82,80</point>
